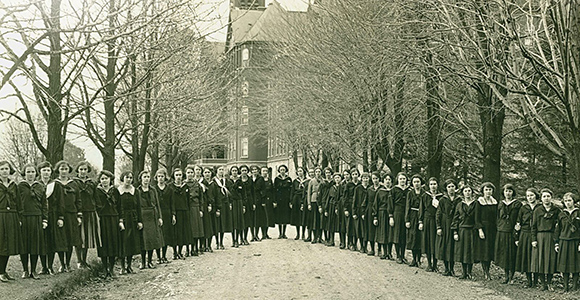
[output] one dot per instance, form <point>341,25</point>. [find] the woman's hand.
<point>481,234</point>
<point>173,220</point>
<point>60,223</point>
<point>439,231</point>
<point>217,213</point>
<point>160,222</point>
<point>392,222</point>
<point>407,224</point>
<point>139,226</point>
<point>421,226</point>
<point>121,226</point>
<point>535,244</point>
<point>79,221</point>
<point>376,222</point>
<point>456,237</point>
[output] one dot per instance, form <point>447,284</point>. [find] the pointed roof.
<point>241,21</point>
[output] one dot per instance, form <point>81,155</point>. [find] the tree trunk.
<point>394,159</point>
<point>295,159</point>
<point>434,122</point>
<point>109,103</point>
<point>365,161</point>
<point>492,115</point>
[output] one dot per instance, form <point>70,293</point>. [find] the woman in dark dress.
<point>151,235</point>
<point>260,195</point>
<point>45,171</point>
<point>72,213</point>
<point>34,220</point>
<point>464,232</point>
<point>195,211</point>
<point>10,209</point>
<point>544,255</point>
<point>505,243</point>
<point>129,209</point>
<point>445,244</point>
<point>360,195</point>
<point>334,213</point>
<point>296,203</point>
<point>524,237</point>
<point>90,231</point>
<point>568,242</point>
<point>397,206</point>
<point>269,198</point>
<point>56,237</point>
<point>486,224</point>
<point>428,224</point>
<point>208,209</point>
<point>222,199</point>
<point>247,195</point>
<point>313,196</point>
<point>324,188</point>
<point>346,197</point>
<point>412,206</point>
<point>235,187</point>
<point>106,206</point>
<point>282,199</point>
<point>179,195</point>
<point>381,217</point>
<point>164,194</point>
<point>371,229</point>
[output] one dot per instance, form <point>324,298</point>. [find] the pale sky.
<point>214,12</point>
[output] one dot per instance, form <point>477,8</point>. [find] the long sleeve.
<point>138,208</point>
<point>44,206</point>
<point>439,213</point>
<point>456,217</point>
<point>559,226</point>
<point>535,220</point>
<point>422,207</point>
<point>120,209</point>
<point>78,202</point>
<point>309,193</point>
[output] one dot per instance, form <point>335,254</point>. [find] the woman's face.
<point>346,175</point>
<point>207,174</point>
<point>328,174</point>
<point>265,172</point>
<point>508,193</point>
<point>161,178</point>
<point>145,179</point>
<point>546,198</point>
<point>317,172</point>
<point>569,202</point>
<point>128,179</point>
<point>178,176</point>
<point>311,173</point>
<point>45,172</point>
<point>376,180</point>
<point>467,192</point>
<point>234,171</point>
<point>388,181</point>
<point>281,170</point>
<point>198,171</point>
<point>365,180</point>
<point>300,172</point>
<point>416,183</point>
<point>402,180</point>
<point>220,172</point>
<point>451,189</point>
<point>4,170</point>
<point>337,180</point>
<point>83,170</point>
<point>433,186</point>
<point>487,191</point>
<point>105,181</point>
<point>30,173</point>
<point>189,173</point>
<point>255,171</point>
<point>355,175</point>
<point>244,171</point>
<point>63,170</point>
<point>531,197</point>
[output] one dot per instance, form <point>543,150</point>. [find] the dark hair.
<point>354,170</point>
<point>125,174</point>
<point>84,163</point>
<point>108,174</point>
<point>402,173</point>
<point>176,170</point>
<point>433,179</point>
<point>328,169</point>
<point>188,167</point>
<point>450,181</point>
<point>510,186</point>
<point>161,171</point>
<point>415,176</point>
<point>59,164</point>
<point>252,167</point>
<point>29,165</point>
<point>535,191</point>
<point>318,168</point>
<point>234,167</point>
<point>365,174</point>
<point>337,174</point>
<point>387,175</point>
<point>209,169</point>
<point>487,184</point>
<point>144,172</point>
<point>242,167</point>
<point>300,168</point>
<point>571,195</point>
<point>42,165</point>
<point>377,174</point>
<point>547,190</point>
<point>282,166</point>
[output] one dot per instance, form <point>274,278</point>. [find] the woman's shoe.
<point>3,278</point>
<point>150,265</point>
<point>25,275</point>
<point>34,276</point>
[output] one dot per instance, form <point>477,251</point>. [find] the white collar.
<point>122,190</point>
<point>482,201</point>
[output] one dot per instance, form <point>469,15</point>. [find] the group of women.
<point>49,212</point>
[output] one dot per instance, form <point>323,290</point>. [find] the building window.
<point>244,147</point>
<point>245,115</point>
<point>245,57</point>
<point>245,89</point>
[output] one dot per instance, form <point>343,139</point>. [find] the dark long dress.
<point>90,231</point>
<point>381,214</point>
<point>167,213</point>
<point>56,236</point>
<point>10,209</point>
<point>323,190</point>
<point>427,215</point>
<point>34,212</point>
<point>296,199</point>
<point>313,198</point>
<point>72,207</point>
<point>412,207</point>
<point>306,214</point>
<point>261,195</point>
<point>445,244</point>
<point>195,201</point>
<point>283,187</point>
<point>397,234</point>
<point>206,201</point>
<point>334,216</point>
<point>544,232</point>
<point>235,188</point>
<point>106,206</point>
<point>367,206</point>
<point>180,196</point>
<point>486,219</point>
<point>221,195</point>
<point>360,195</point>
<point>568,237</point>
<point>505,241</point>
<point>347,199</point>
<point>130,214</point>
<point>247,193</point>
<point>151,235</point>
<point>524,238</point>
<point>270,194</point>
<point>464,225</point>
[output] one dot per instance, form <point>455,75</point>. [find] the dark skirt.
<point>465,247</point>
<point>349,226</point>
<point>56,237</point>
<point>428,236</point>
<point>316,224</point>
<point>90,231</point>
<point>569,259</point>
<point>485,248</point>
<point>208,224</point>
<point>283,211</point>
<point>72,229</point>
<point>524,252</point>
<point>306,217</point>
<point>296,215</point>
<point>10,234</point>
<point>168,229</point>
<point>382,233</point>
<point>34,241</point>
<point>110,236</point>
<point>226,219</point>
<point>271,214</point>
<point>445,245</point>
<point>131,236</point>
<point>544,255</point>
<point>152,236</point>
<point>505,250</point>
<point>248,217</point>
<point>397,233</point>
<point>332,226</point>
<point>238,216</point>
<point>182,228</point>
<point>413,233</point>
<point>371,229</point>
<point>196,223</point>
<point>359,227</point>
<point>260,217</point>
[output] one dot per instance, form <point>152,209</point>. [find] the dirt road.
<point>285,269</point>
